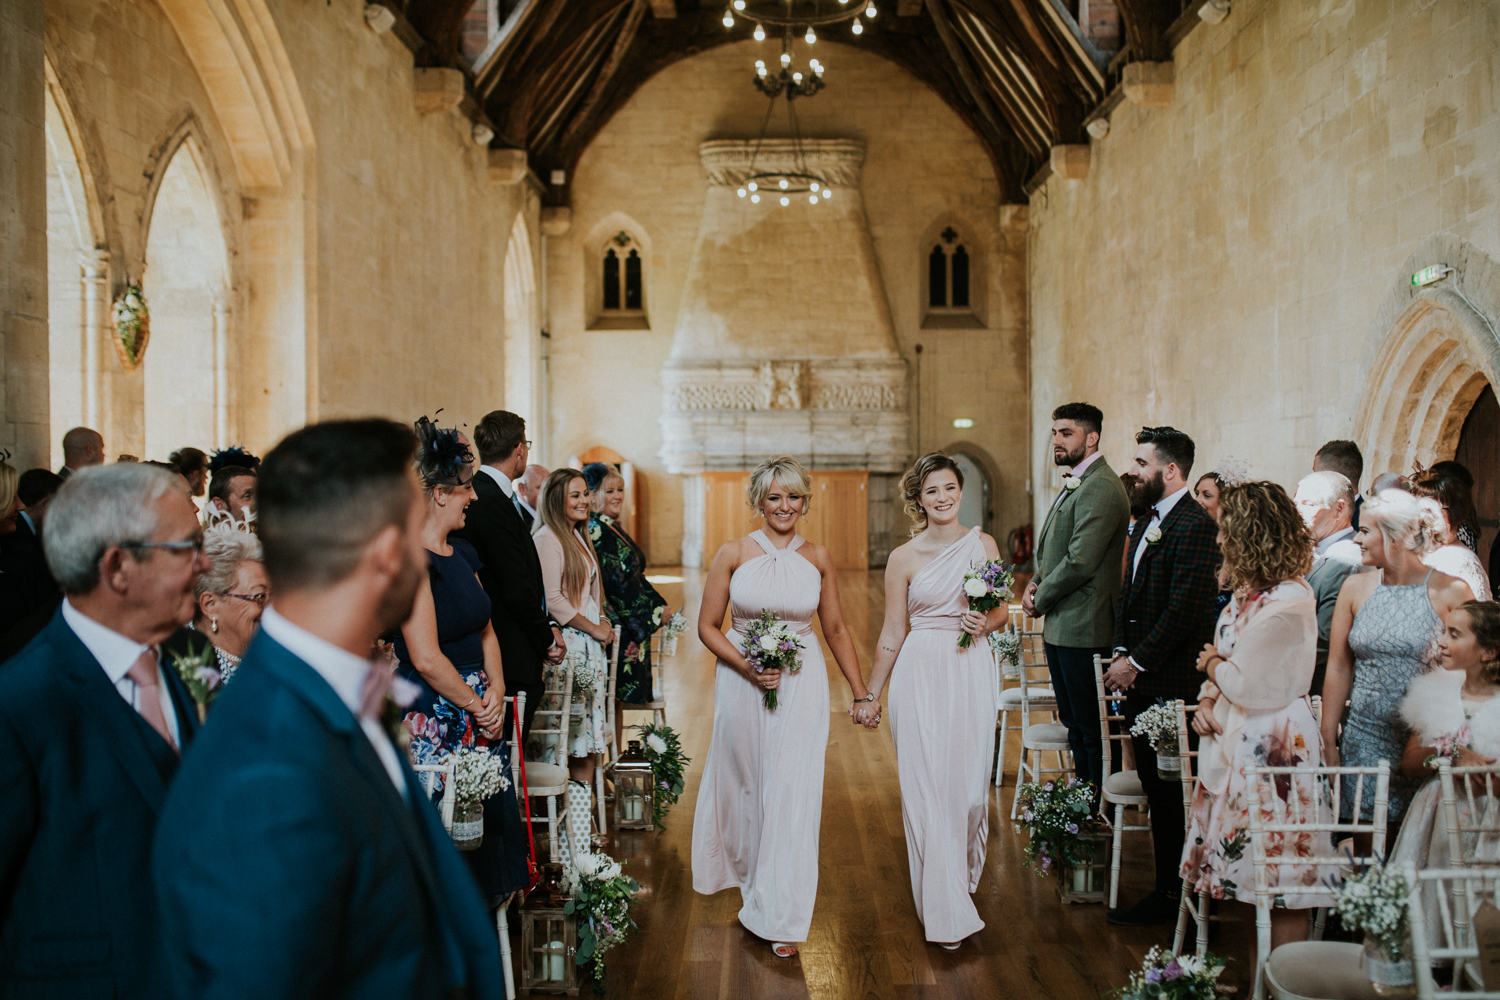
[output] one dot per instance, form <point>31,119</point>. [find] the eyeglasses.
<point>259,600</point>
<point>194,545</point>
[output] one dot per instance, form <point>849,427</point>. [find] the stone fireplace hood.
<point>784,342</point>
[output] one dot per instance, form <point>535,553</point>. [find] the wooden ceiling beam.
<point>1146,23</point>
<point>623,41</point>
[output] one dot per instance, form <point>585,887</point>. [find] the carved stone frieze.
<point>835,161</point>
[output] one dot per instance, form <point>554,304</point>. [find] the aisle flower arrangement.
<point>1159,725</point>
<point>663,749</point>
<point>1373,899</point>
<point>132,319</point>
<point>477,775</point>
<point>770,644</point>
<point>1183,977</point>
<point>1060,819</point>
<point>603,898</point>
<point>987,586</point>
<point>1006,645</point>
<point>671,631</point>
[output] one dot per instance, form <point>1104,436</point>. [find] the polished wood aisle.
<point>865,939</point>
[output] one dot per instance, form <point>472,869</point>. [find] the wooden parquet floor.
<point>866,941</point>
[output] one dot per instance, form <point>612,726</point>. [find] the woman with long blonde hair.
<point>761,798</point>
<point>570,574</point>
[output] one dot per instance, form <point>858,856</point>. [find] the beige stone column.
<point>97,324</point>
<point>221,371</point>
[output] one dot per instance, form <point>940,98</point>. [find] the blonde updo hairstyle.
<point>1414,523</point>
<point>916,476</point>
<point>782,469</point>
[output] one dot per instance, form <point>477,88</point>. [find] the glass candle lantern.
<point>549,939</point>
<point>634,783</point>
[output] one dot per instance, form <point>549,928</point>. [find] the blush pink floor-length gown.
<point>761,800</point>
<point>942,704</point>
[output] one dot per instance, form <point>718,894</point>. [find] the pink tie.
<point>143,672</point>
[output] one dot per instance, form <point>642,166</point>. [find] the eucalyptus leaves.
<point>132,318</point>
<point>662,747</point>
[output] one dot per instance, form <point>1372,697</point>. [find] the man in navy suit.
<point>92,725</point>
<point>297,856</point>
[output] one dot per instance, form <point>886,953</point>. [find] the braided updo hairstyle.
<point>911,485</point>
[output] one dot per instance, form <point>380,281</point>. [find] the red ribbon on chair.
<point>533,870</point>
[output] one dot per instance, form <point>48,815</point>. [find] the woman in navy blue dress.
<point>447,648</point>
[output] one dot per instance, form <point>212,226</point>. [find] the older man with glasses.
<point>92,726</point>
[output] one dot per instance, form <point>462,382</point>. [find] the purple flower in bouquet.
<point>1071,828</point>
<point>1172,971</point>
<point>1153,975</point>
<point>987,587</point>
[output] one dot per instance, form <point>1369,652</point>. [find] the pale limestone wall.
<point>1222,266</point>
<point>364,242</point>
<point>23,236</point>
<point>922,166</point>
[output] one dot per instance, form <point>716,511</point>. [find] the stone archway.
<point>1433,351</point>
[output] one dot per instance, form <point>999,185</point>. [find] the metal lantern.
<point>549,939</point>
<point>634,784</point>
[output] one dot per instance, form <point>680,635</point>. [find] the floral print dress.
<point>1218,857</point>
<point>632,603</point>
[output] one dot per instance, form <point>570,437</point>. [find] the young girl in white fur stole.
<point>1455,704</point>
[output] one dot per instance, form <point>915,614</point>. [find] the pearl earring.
<point>214,622</point>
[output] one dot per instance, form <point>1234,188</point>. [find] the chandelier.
<point>790,82</point>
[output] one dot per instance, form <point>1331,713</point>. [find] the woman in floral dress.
<point>1254,710</point>
<point>633,604</point>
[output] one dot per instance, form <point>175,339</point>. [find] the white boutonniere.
<point>1071,483</point>
<point>1153,535</point>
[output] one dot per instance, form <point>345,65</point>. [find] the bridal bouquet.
<point>662,747</point>
<point>603,897</point>
<point>987,586</point>
<point>770,644</point>
<point>1183,977</point>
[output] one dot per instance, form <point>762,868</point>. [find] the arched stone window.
<point>620,293</point>
<point>951,282</point>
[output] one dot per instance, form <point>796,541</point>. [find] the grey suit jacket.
<point>1080,557</point>
<point>1331,568</point>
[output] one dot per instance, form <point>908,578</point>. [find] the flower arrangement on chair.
<point>1062,823</point>
<point>603,897</point>
<point>1185,977</point>
<point>1159,725</point>
<point>661,746</point>
<point>1373,899</point>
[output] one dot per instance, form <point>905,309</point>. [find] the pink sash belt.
<point>937,623</point>
<point>799,627</point>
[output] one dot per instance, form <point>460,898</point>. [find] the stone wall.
<point>923,170</point>
<point>1223,266</point>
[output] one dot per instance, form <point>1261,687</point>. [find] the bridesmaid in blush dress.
<point>942,699</point>
<point>761,800</point>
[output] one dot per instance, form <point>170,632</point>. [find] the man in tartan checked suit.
<point>1165,616</point>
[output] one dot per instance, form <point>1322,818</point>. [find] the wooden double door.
<point>839,518</point>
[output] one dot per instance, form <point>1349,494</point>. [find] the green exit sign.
<point>1428,275</point>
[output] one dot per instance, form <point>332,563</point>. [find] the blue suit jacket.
<point>82,781</point>
<point>287,865</point>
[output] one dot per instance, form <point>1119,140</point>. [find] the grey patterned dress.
<point>1394,638</point>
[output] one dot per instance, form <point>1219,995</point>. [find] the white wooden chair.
<point>1038,737</point>
<point>611,738</point>
<point>549,779</point>
<point>1193,904</point>
<point>428,775</point>
<point>1009,698</point>
<point>1122,789</point>
<point>1312,968</point>
<point>1470,882</point>
<point>657,706</point>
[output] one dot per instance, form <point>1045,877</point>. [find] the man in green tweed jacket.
<point>1080,556</point>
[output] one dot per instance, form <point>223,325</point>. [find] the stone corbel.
<point>436,89</point>
<point>507,166</point>
<point>1148,83</point>
<point>1071,161</point>
<point>557,220</point>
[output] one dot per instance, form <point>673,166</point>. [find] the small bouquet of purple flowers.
<point>1185,977</point>
<point>770,644</point>
<point>987,586</point>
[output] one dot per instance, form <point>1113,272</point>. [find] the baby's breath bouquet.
<point>603,897</point>
<point>1184,977</point>
<point>1058,816</point>
<point>1159,725</point>
<point>477,775</point>
<point>662,747</point>
<point>1374,900</point>
<point>675,626</point>
<point>1006,645</point>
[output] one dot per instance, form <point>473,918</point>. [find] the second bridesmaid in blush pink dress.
<point>942,701</point>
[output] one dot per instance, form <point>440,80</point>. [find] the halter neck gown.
<point>761,799</point>
<point>942,704</point>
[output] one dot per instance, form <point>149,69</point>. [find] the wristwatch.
<point>868,697</point>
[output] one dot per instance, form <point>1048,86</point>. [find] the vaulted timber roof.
<point>1024,74</point>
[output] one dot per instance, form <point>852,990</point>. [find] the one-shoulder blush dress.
<point>943,705</point>
<point>761,799</point>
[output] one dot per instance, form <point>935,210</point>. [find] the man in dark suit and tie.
<point>499,525</point>
<point>297,856</point>
<point>1164,619</point>
<point>92,726</point>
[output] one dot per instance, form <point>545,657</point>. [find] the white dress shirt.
<point>500,478</point>
<point>1075,473</point>
<point>117,654</point>
<point>1163,508</point>
<point>345,673</point>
